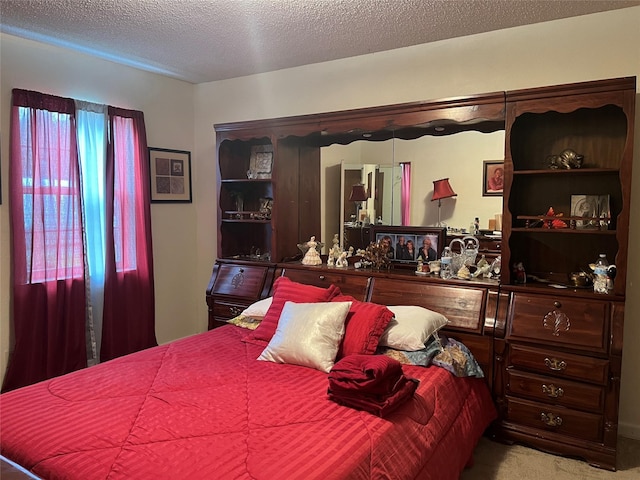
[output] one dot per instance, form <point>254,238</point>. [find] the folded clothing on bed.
<point>374,383</point>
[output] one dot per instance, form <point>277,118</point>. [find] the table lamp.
<point>358,194</point>
<point>441,189</point>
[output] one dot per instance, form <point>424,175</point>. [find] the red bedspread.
<point>204,408</point>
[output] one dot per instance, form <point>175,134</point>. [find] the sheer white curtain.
<point>91,126</point>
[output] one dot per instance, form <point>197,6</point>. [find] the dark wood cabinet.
<point>558,366</point>
<point>248,228</point>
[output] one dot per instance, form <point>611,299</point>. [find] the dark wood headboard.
<point>471,306</point>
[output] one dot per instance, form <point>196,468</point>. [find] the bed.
<point>206,407</point>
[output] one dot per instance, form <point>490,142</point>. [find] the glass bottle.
<point>601,275</point>
<point>446,270</point>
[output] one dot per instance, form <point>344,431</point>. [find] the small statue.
<point>464,272</point>
<point>342,262</point>
<point>567,160</point>
<point>556,222</point>
<point>312,257</point>
<point>519,275</point>
<point>351,252</point>
<point>336,250</point>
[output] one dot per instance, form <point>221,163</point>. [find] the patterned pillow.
<point>250,323</point>
<point>442,352</point>
<point>288,290</point>
<point>365,323</point>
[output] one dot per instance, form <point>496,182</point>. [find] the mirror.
<point>459,157</point>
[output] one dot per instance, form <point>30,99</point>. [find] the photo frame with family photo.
<point>408,244</point>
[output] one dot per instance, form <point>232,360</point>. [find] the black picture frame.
<point>489,169</point>
<point>414,234</point>
<point>170,175</point>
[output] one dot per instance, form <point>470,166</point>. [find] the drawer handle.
<point>555,364</point>
<point>235,311</point>
<point>322,277</point>
<point>551,419</point>
<point>557,304</point>
<point>552,391</point>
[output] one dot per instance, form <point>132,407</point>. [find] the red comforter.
<point>204,408</point>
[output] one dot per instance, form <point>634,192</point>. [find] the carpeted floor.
<point>495,461</point>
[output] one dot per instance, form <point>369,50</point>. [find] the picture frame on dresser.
<point>400,236</point>
<point>169,175</point>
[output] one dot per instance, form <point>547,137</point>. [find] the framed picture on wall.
<point>492,178</point>
<point>170,175</point>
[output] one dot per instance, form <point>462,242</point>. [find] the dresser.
<point>558,360</point>
<point>558,370</point>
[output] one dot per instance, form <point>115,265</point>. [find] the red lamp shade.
<point>442,189</point>
<point>358,193</point>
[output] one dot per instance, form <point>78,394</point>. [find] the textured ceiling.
<point>206,40</point>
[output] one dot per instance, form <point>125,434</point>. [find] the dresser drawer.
<point>563,321</point>
<point>559,364</point>
<point>354,285</point>
<point>244,281</point>
<point>223,310</point>
<point>565,421</point>
<point>582,396</point>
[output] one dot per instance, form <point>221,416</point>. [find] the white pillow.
<point>308,334</point>
<point>258,309</point>
<point>411,327</point>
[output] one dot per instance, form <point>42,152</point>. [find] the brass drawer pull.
<point>235,311</point>
<point>552,391</point>
<point>557,304</point>
<point>551,419</point>
<point>555,364</point>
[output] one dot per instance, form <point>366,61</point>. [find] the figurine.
<point>464,272</point>
<point>556,222</point>
<point>336,250</point>
<point>567,160</point>
<point>342,262</point>
<point>312,257</point>
<point>519,275</point>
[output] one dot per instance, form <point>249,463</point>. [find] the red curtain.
<point>45,210</point>
<point>129,311</point>
<point>405,193</point>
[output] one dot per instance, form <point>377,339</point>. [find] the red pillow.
<point>286,290</point>
<point>365,324</point>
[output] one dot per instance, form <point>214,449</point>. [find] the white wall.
<point>591,47</point>
<point>169,117</point>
